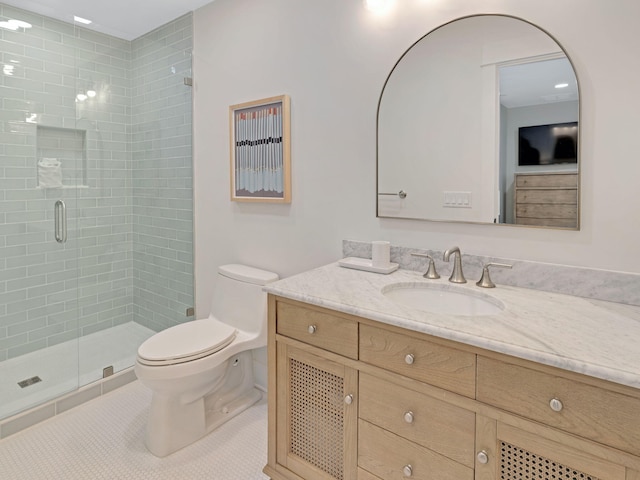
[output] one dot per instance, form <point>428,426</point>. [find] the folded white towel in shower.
<point>49,173</point>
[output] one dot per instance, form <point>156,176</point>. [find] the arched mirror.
<point>478,122</point>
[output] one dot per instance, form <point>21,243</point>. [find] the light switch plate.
<point>457,199</point>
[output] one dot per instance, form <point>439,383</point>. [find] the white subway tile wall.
<point>125,155</point>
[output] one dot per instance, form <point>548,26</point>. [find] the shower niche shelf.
<point>61,157</point>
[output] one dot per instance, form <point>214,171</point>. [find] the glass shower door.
<point>38,285</point>
<point>39,328</point>
<point>102,101</point>
<point>135,207</point>
<point>40,158</point>
<point>96,201</point>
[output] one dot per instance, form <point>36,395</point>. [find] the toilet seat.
<point>186,342</point>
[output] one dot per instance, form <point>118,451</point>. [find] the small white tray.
<point>366,265</point>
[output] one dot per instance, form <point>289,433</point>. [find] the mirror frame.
<point>403,194</point>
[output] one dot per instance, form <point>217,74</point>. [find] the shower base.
<point>64,367</point>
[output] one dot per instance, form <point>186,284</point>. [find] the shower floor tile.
<point>59,367</point>
<point>104,438</point>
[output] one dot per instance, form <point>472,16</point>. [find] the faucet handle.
<point>431,271</point>
<point>485,280</point>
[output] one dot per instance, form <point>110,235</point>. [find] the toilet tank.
<point>238,299</point>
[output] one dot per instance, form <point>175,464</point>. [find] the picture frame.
<point>261,150</point>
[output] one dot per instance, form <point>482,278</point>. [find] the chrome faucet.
<point>456,275</point>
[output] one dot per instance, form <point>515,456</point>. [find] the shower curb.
<point>22,421</point>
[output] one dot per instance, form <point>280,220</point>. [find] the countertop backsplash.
<point>579,281</point>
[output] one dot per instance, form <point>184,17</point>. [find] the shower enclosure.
<point>96,217</point>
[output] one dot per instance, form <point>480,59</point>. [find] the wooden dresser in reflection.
<point>546,199</point>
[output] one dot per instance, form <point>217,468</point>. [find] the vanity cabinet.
<point>313,391</point>
<point>407,428</point>
<point>564,424</point>
<point>520,450</point>
<point>316,417</point>
<point>405,433</point>
<point>355,399</point>
<point>589,411</point>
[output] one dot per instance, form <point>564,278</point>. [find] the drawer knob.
<point>409,359</point>
<point>312,329</point>
<point>482,457</point>
<point>348,399</point>
<point>556,405</point>
<point>408,417</point>
<point>407,470</point>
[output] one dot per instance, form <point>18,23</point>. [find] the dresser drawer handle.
<point>409,359</point>
<point>407,470</point>
<point>482,457</point>
<point>312,329</point>
<point>348,399</point>
<point>408,417</point>
<point>556,405</point>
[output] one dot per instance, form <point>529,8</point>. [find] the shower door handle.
<point>60,221</point>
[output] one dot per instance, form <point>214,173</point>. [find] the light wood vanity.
<point>353,398</point>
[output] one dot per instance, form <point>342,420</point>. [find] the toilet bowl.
<point>201,372</point>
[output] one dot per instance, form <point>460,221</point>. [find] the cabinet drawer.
<point>430,422</point>
<point>549,180</point>
<point>364,475</point>
<point>422,360</point>
<point>552,197</point>
<point>547,211</point>
<point>324,330</point>
<point>598,414</point>
<point>386,455</point>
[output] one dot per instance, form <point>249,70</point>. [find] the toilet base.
<point>173,425</point>
<point>215,418</point>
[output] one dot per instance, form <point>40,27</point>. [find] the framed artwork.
<point>261,150</point>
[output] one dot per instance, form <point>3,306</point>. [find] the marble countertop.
<point>593,337</point>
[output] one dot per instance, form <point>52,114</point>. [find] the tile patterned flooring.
<point>103,439</point>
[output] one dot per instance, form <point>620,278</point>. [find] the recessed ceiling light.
<point>81,97</point>
<point>81,20</point>
<point>91,93</point>
<point>562,85</point>
<point>13,24</point>
<point>21,24</point>
<point>9,26</point>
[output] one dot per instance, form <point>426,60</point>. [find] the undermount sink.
<point>443,299</point>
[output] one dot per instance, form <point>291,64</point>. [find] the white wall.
<point>332,57</point>
<point>426,154</point>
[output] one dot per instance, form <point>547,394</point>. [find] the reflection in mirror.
<point>478,122</point>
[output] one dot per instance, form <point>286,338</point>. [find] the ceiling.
<point>535,83</point>
<point>128,19</point>
<point>520,85</point>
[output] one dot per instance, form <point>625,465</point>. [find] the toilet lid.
<point>186,342</point>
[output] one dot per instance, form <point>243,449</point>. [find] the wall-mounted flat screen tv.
<point>548,144</point>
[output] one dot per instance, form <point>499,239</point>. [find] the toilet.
<point>201,372</point>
